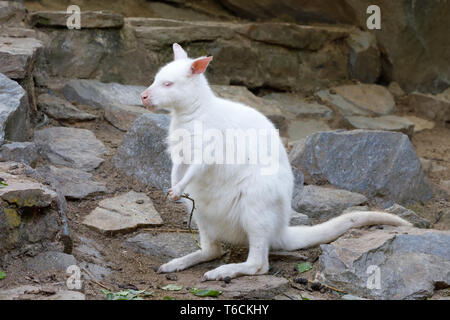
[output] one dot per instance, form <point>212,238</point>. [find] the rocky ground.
<point>86,171</point>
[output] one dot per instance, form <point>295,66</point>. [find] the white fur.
<point>235,203</point>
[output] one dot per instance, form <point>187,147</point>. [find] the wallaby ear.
<point>199,65</point>
<point>178,52</point>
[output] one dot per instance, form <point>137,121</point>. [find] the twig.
<point>95,281</point>
<point>186,195</point>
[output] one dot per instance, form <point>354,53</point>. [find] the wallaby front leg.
<point>192,171</point>
<point>177,173</point>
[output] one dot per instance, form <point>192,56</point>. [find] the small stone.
<point>120,214</point>
<point>171,277</point>
<point>140,201</point>
<point>249,287</point>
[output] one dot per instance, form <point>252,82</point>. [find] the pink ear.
<point>199,65</point>
<point>178,52</point>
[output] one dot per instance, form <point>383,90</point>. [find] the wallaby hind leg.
<point>257,262</point>
<point>210,250</point>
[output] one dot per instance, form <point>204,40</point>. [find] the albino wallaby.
<point>235,203</point>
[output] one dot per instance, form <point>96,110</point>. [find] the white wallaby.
<point>235,203</point>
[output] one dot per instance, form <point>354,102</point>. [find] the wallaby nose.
<point>145,96</point>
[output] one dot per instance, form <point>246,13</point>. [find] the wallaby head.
<point>180,85</point>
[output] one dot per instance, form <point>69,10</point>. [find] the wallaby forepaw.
<point>174,193</point>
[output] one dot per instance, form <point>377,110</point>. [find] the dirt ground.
<point>131,270</point>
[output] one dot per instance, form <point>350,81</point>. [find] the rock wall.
<point>413,36</point>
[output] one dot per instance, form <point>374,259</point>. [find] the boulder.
<point>25,192</point>
<point>26,214</point>
<point>14,111</point>
<point>12,13</point>
<point>298,107</point>
<point>123,213</point>
<point>165,245</point>
<point>24,152</point>
<point>432,107</point>
<point>121,103</point>
<point>321,204</point>
<point>359,99</point>
<point>378,164</point>
<point>142,153</point>
<point>51,260</point>
<point>409,263</point>
<point>385,123</point>
<point>88,19</point>
<point>364,58</point>
<point>17,56</point>
<point>71,147</point>
<point>72,183</point>
<point>61,109</point>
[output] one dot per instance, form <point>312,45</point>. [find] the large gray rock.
<point>249,287</point>
<point>14,111</point>
<point>88,19</point>
<point>122,103</point>
<point>411,262</point>
<point>51,260</point>
<point>24,152</point>
<point>378,164</point>
<point>359,99</point>
<point>17,56</point>
<point>72,183</point>
<point>165,245</point>
<point>142,153</point>
<point>321,204</point>
<point>123,213</point>
<point>61,109</point>
<point>71,147</point>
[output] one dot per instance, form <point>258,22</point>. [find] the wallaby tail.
<point>299,237</point>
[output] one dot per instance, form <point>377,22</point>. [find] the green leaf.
<point>172,287</point>
<point>168,298</point>
<point>2,275</point>
<point>305,266</point>
<point>205,292</point>
<point>126,295</point>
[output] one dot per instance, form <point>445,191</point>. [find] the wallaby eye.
<point>167,84</point>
